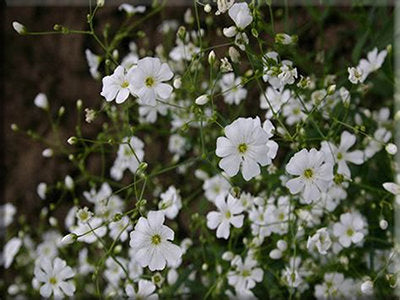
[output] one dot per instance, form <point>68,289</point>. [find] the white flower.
<point>341,154</point>
<point>273,100</point>
<point>245,275</point>
<point>229,213</point>
<point>41,101</point>
<point>232,89</point>
<point>285,39</point>
<point>147,80</point>
<point>120,228</point>
<point>244,147</point>
<point>117,86</point>
<point>55,277</point>
<point>151,241</point>
<point>314,174</point>
<point>145,290</point>
<point>128,158</point>
<point>202,99</point>
<point>392,187</point>
<point>130,9</point>
<point>350,229</point>
<point>240,14</point>
<point>149,114</point>
<point>170,203</point>
<point>7,212</point>
<point>114,272</point>
<point>294,111</point>
<point>224,5</point>
<point>320,240</point>
<point>355,74</point>
<point>216,187</point>
<point>93,61</point>
<point>373,62</point>
<point>335,286</point>
<point>90,231</point>
<point>69,182</point>
<point>41,190</point>
<point>367,287</point>
<point>177,144</point>
<point>10,250</point>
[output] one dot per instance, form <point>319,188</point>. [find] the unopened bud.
<point>69,239</point>
<point>201,100</point>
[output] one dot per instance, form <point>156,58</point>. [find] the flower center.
<point>156,239</point>
<point>53,280</point>
<point>350,232</point>
<point>296,111</point>
<point>242,148</point>
<point>308,173</point>
<point>228,214</point>
<point>149,81</point>
<point>339,156</point>
<point>246,273</point>
<point>125,84</point>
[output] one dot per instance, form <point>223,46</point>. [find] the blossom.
<point>240,14</point>
<point>232,89</point>
<point>7,212</point>
<point>147,80</point>
<point>392,187</point>
<point>355,74</point>
<point>245,275</point>
<point>273,100</point>
<point>41,101</point>
<point>145,290</point>
<point>117,86</point>
<point>334,286</point>
<point>10,250</point>
<point>130,155</point>
<point>367,287</point>
<point>18,27</point>
<point>151,241</point>
<point>373,62</point>
<point>320,240</point>
<point>130,9</point>
<point>341,154</point>
<point>55,277</point>
<point>216,187</point>
<point>170,203</point>
<point>229,213</point>
<point>93,61</point>
<point>244,147</point>
<point>350,229</point>
<point>313,171</point>
<point>120,229</point>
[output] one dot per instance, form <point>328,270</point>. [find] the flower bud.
<point>69,239</point>
<point>207,8</point>
<point>211,58</point>
<point>282,245</point>
<point>41,101</point>
<point>14,127</point>
<point>177,83</point>
<point>367,287</point>
<point>234,55</point>
<point>72,140</point>
<point>391,148</point>
<point>383,224</point>
<point>48,152</point>
<point>228,255</point>
<point>18,27</point>
<point>201,100</point>
<point>229,31</point>
<point>275,254</point>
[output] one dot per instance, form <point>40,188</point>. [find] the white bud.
<point>177,83</point>
<point>72,140</point>
<point>69,182</point>
<point>47,152</point>
<point>282,245</point>
<point>229,31</point>
<point>204,267</point>
<point>207,8</point>
<point>392,187</point>
<point>228,255</point>
<point>18,27</point>
<point>367,287</point>
<point>69,239</point>
<point>100,3</point>
<point>14,127</point>
<point>331,89</point>
<point>383,224</point>
<point>61,111</point>
<point>53,221</point>
<point>41,101</point>
<point>391,148</point>
<point>234,55</point>
<point>211,57</point>
<point>275,254</point>
<point>201,100</point>
<point>79,104</point>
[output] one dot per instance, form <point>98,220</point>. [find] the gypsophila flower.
<point>229,213</point>
<point>244,148</point>
<point>232,89</point>
<point>240,14</point>
<point>117,86</point>
<point>145,290</point>
<point>320,240</point>
<point>314,174</point>
<point>151,241</point>
<point>350,229</point>
<point>170,202</point>
<point>55,276</point>
<point>10,250</point>
<point>41,101</point>
<point>245,274</point>
<point>147,80</point>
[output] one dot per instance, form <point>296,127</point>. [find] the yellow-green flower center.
<point>339,156</point>
<point>242,148</point>
<point>308,173</point>
<point>53,280</point>
<point>149,81</point>
<point>228,214</point>
<point>350,232</point>
<point>156,239</point>
<point>125,84</point>
<point>246,273</point>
